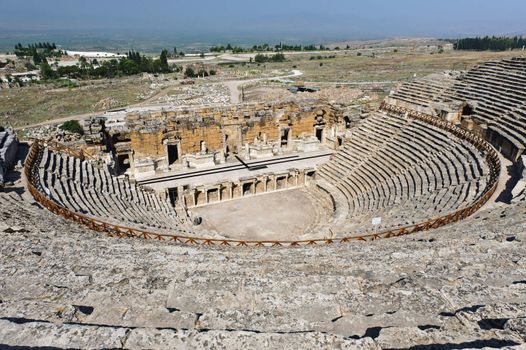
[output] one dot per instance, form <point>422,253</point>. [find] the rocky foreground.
<point>63,286</point>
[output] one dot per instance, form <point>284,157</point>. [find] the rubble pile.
<point>105,104</point>
<point>191,95</point>
<point>343,95</point>
<point>52,132</point>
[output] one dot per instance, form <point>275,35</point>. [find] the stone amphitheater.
<point>401,229</point>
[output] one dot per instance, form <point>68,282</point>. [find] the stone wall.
<point>222,129</point>
<point>191,138</point>
<point>147,143</point>
<point>245,187</point>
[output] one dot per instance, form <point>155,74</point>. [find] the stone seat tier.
<point>87,189</point>
<point>409,170</point>
<point>497,89</point>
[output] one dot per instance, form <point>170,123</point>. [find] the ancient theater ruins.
<point>291,222</point>
<point>304,172</point>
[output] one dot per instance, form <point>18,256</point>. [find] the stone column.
<point>247,151</point>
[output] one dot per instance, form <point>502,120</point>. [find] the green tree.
<point>128,67</point>
<point>260,58</point>
<point>164,61</point>
<point>72,126</point>
<point>279,57</point>
<point>46,71</point>
<point>189,72</point>
<point>83,62</point>
<point>37,59</point>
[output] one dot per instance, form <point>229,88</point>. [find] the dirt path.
<point>234,85</point>
<point>357,83</point>
<point>78,117</point>
<point>238,57</point>
<point>504,177</point>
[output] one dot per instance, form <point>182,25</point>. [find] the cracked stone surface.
<point>64,286</point>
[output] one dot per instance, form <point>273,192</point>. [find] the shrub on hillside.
<point>189,73</point>
<point>72,126</point>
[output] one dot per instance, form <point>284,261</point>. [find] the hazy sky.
<point>306,19</point>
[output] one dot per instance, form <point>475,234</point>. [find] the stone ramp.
<point>8,150</point>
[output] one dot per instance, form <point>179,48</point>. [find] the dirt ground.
<point>341,94</point>
<point>283,215</point>
<point>337,73</point>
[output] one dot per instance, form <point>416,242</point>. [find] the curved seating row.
<point>404,170</point>
<point>496,90</point>
<point>83,187</point>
